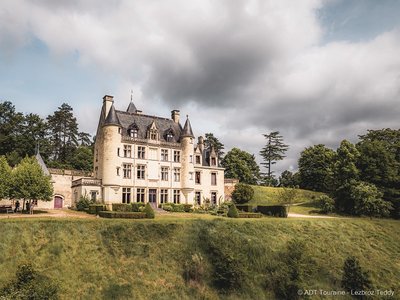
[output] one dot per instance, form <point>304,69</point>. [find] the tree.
<point>82,159</point>
<point>316,165</point>
<point>212,141</point>
<point>354,278</point>
<point>326,204</point>
<point>242,193</point>
<point>288,195</point>
<point>288,179</point>
<point>273,151</point>
<point>30,183</point>
<point>5,178</point>
<point>241,165</point>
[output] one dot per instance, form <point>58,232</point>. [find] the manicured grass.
<point>144,259</point>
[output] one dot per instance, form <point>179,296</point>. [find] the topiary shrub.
<point>233,212</point>
<point>149,211</point>
<point>326,204</point>
<point>273,210</point>
<point>94,209</point>
<point>243,193</point>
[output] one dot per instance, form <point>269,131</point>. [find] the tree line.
<point>61,144</point>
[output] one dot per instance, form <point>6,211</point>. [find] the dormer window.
<point>213,161</point>
<point>169,135</point>
<point>133,133</point>
<point>152,131</point>
<point>153,135</point>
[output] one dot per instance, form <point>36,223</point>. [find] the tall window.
<point>177,156</point>
<point>140,195</point>
<point>164,196</point>
<point>164,154</point>
<point>197,198</point>
<point>117,151</point>
<point>164,173</point>
<point>191,158</point>
<point>177,174</point>
<point>213,178</point>
<point>126,195</point>
<point>93,196</point>
<point>214,198</point>
<point>153,134</point>
<point>127,169</point>
<point>141,151</point>
<point>140,173</point>
<point>177,197</point>
<point>127,150</point>
<point>213,161</point>
<point>198,177</point>
<point>198,159</point>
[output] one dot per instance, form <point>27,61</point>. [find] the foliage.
<point>96,208</point>
<point>242,193</point>
<point>273,210</point>
<point>273,151</point>
<point>5,178</point>
<point>241,165</point>
<point>83,203</point>
<point>29,182</point>
<point>354,278</point>
<point>138,206</point>
<point>212,142</point>
<point>82,159</point>
<point>288,179</point>
<point>149,211</point>
<point>121,207</point>
<point>368,200</point>
<point>233,212</point>
<point>316,166</point>
<point>288,196</point>
<point>345,169</point>
<point>326,204</point>
<point>194,269</point>
<point>245,207</point>
<point>122,215</point>
<point>29,285</point>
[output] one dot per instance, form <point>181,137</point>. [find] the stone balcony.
<point>86,182</point>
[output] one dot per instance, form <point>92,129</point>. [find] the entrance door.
<point>58,202</point>
<point>153,197</point>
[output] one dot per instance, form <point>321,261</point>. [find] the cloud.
<point>239,69</point>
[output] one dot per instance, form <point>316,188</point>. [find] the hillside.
<point>119,259</point>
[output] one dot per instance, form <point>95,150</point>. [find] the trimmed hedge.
<point>123,207</point>
<point>250,215</point>
<point>273,210</point>
<point>122,215</point>
<point>233,212</point>
<point>148,211</point>
<point>138,206</point>
<point>176,207</point>
<point>245,207</point>
<point>94,209</point>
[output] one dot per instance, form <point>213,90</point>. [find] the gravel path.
<point>294,215</point>
<point>52,213</point>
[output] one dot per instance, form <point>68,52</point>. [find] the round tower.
<point>187,166</point>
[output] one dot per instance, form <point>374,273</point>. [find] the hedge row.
<point>273,210</point>
<point>177,207</point>
<point>94,209</point>
<point>123,215</point>
<point>245,207</point>
<point>250,215</point>
<point>125,207</point>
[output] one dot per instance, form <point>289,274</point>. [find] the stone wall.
<point>229,187</point>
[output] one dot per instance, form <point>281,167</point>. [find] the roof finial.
<point>131,95</point>
<point>187,116</point>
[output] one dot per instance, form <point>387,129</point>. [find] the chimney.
<point>107,103</point>
<point>175,115</point>
<point>200,143</point>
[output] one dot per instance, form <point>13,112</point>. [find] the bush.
<point>122,215</point>
<point>194,269</point>
<point>138,206</point>
<point>94,209</point>
<point>273,210</point>
<point>121,207</point>
<point>244,207</point>
<point>250,215</point>
<point>149,212</point>
<point>354,278</point>
<point>187,207</point>
<point>233,212</point>
<point>175,207</point>
<point>242,193</point>
<point>326,204</point>
<point>83,203</point>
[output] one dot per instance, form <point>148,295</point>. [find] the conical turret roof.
<point>112,118</point>
<point>131,108</point>
<point>187,129</point>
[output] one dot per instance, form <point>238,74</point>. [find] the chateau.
<point>142,158</point>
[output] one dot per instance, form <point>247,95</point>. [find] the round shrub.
<point>243,193</point>
<point>326,204</point>
<point>148,210</point>
<point>233,212</point>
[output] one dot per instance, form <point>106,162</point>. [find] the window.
<point>164,154</point>
<point>177,156</point>
<point>164,196</point>
<point>177,197</point>
<point>191,158</point>
<point>198,177</point>
<point>141,152</point>
<point>177,174</point>
<point>197,198</point>
<point>126,195</point>
<point>93,195</point>
<point>140,172</point>
<point>164,173</point>
<point>97,155</point>
<point>118,171</point>
<point>133,133</point>
<point>190,175</point>
<point>214,198</point>
<point>198,159</point>
<point>213,178</point>
<point>118,151</point>
<point>213,161</point>
<point>153,134</point>
<point>119,130</point>
<point>127,169</point>
<point>140,195</point>
<point>170,137</point>
<point>127,150</point>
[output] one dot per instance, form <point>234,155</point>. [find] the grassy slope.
<point>100,258</point>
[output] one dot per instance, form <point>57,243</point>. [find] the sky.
<point>316,71</point>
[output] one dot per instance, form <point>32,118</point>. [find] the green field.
<point>145,259</point>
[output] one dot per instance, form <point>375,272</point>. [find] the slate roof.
<point>131,108</point>
<point>128,120</point>
<point>112,118</point>
<point>41,163</point>
<point>187,129</point>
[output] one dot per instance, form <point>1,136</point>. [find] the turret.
<point>187,174</point>
<point>107,103</point>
